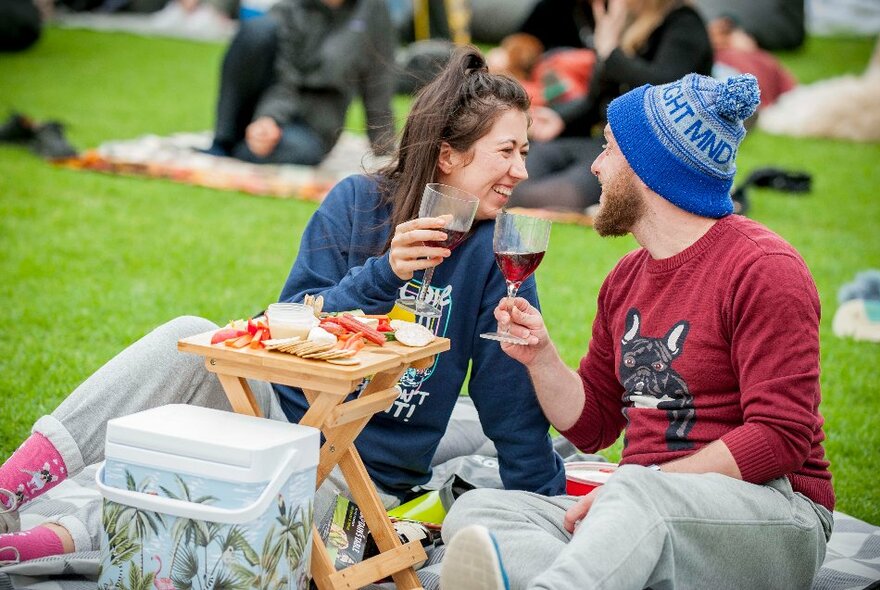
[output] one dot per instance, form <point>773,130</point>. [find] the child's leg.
<point>149,373</point>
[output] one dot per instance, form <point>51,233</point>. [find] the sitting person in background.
<point>551,52</point>
<point>289,76</point>
<point>773,24</point>
<point>560,24</point>
<point>737,52</point>
<point>636,42</point>
<point>21,24</point>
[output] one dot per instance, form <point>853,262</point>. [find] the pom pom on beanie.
<point>738,97</point>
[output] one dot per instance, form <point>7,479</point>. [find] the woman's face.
<point>493,166</point>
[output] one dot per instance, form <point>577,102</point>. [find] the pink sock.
<point>37,542</point>
<point>33,469</point>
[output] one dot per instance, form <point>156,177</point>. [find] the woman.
<point>289,77</point>
<point>362,249</point>
<point>637,42</point>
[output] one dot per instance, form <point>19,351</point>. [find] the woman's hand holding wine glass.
<point>457,209</point>
<point>410,250</point>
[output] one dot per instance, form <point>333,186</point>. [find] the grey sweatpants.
<point>150,373</point>
<point>657,530</point>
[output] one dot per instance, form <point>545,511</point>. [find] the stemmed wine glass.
<point>440,200</point>
<point>520,242</point>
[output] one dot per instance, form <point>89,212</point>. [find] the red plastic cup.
<point>582,477</point>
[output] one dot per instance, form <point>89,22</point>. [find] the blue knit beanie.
<point>681,138</point>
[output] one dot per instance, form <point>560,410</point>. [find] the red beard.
<point>622,205</point>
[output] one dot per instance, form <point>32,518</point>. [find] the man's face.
<point>621,204</point>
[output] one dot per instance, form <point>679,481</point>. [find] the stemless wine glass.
<point>459,207</point>
<point>520,242</point>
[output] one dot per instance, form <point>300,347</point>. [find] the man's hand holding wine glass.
<point>525,322</point>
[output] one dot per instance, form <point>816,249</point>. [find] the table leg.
<point>322,567</point>
<point>241,398</point>
<point>364,494</point>
<point>340,426</point>
<point>339,439</point>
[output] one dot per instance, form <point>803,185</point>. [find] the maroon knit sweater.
<point>718,342</point>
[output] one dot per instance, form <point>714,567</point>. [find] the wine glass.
<point>459,207</point>
<point>520,242</point>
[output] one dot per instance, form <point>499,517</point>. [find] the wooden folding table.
<point>326,386</point>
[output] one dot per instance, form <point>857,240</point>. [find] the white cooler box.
<point>200,499</point>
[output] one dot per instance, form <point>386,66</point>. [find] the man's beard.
<point>622,206</point>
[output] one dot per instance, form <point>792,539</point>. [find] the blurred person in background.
<point>289,76</point>
<point>636,42</point>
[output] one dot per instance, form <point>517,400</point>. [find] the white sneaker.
<point>9,551</point>
<point>472,562</point>
<point>9,520</point>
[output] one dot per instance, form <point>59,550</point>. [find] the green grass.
<point>91,262</point>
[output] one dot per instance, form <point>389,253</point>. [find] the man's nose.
<point>594,167</point>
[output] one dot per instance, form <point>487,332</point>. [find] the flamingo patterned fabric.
<point>168,552</point>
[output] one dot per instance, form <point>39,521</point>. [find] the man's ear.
<point>448,159</point>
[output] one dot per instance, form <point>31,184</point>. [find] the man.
<point>705,351</point>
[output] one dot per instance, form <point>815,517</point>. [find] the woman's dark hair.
<point>458,107</point>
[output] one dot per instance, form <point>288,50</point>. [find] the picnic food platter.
<point>371,358</point>
<point>336,338</point>
<point>336,367</point>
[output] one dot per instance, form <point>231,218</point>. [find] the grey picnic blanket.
<point>852,560</point>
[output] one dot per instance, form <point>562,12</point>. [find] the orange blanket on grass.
<point>176,158</point>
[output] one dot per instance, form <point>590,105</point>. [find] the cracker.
<point>279,342</point>
<point>334,354</point>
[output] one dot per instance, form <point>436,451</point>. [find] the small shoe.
<point>17,129</point>
<point>472,562</point>
<point>9,519</point>
<point>50,144</point>
<point>781,180</point>
<point>9,556</point>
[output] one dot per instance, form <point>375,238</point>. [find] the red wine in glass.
<point>453,239</point>
<point>518,266</point>
<point>519,243</point>
<point>459,207</point>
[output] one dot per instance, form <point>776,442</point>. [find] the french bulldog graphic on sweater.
<point>649,380</point>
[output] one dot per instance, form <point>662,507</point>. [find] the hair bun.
<point>738,97</point>
<point>474,61</point>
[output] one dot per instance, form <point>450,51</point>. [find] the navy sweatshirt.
<point>338,259</point>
